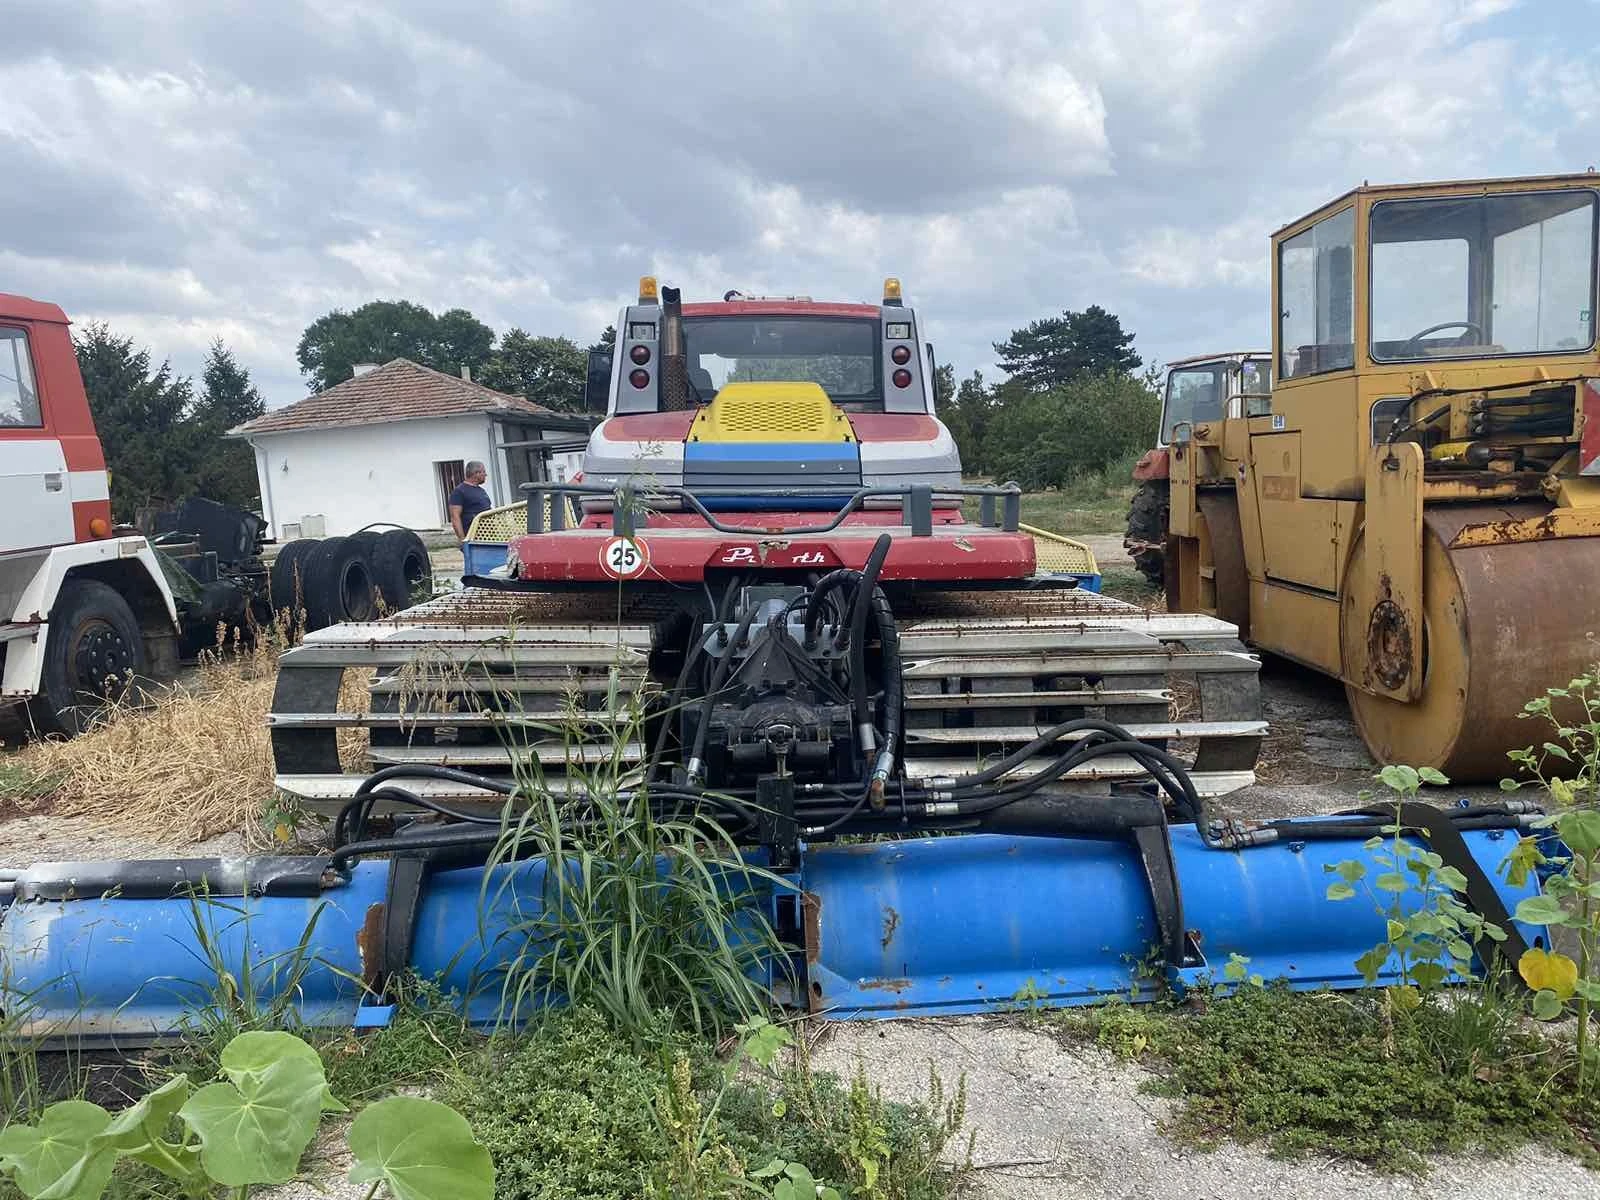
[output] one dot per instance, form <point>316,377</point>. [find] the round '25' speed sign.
<point>623,558</point>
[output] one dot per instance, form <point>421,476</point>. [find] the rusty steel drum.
<point>1501,624</point>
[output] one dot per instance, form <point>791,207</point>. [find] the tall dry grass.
<point>193,761</point>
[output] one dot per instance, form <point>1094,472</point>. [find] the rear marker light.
<point>640,379</point>
<point>902,378</point>
<point>640,354</point>
<point>901,354</point>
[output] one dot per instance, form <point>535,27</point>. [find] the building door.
<point>449,474</point>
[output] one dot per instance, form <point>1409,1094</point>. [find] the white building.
<point>390,443</point>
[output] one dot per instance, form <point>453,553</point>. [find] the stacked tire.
<point>1147,530</point>
<point>355,578</point>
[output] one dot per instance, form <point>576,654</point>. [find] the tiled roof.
<point>400,390</point>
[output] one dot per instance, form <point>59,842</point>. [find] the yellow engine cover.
<point>771,412</point>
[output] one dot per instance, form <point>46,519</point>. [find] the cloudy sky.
<point>188,170</point>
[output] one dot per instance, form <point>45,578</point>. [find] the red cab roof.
<point>20,308</point>
<point>778,308</point>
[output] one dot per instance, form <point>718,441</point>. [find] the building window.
<point>1316,298</point>
<point>19,399</point>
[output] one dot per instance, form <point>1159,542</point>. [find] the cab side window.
<point>19,399</point>
<point>1316,298</point>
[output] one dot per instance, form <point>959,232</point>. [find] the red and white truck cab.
<point>84,608</point>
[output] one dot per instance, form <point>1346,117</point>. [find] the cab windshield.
<point>1194,394</point>
<point>840,354</point>
<point>1483,276</point>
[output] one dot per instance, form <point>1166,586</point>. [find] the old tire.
<point>367,540</point>
<point>94,655</point>
<point>401,568</point>
<point>1147,530</point>
<point>287,583</point>
<point>338,584</point>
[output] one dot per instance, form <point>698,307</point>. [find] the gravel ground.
<point>1054,1121</point>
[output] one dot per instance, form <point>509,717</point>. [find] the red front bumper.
<point>681,548</point>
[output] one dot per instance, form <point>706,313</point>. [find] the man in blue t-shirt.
<point>468,499</point>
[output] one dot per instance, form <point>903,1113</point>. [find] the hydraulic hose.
<point>691,657</point>
<point>816,602</point>
<point>696,765</point>
<point>893,696</point>
<point>858,643</point>
<point>352,820</point>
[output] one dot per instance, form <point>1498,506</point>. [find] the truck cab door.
<point>34,492</point>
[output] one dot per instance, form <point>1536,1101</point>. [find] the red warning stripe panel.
<point>1589,447</point>
<point>894,427</point>
<point>649,427</point>
<point>86,511</point>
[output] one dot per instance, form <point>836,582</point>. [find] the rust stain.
<point>1388,638</point>
<point>891,922</point>
<point>1505,533</point>
<point>884,985</point>
<point>1278,487</point>
<point>369,945</point>
<point>811,919</point>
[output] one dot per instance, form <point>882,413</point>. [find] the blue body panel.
<point>479,558</point>
<point>723,468</point>
<point>923,926</point>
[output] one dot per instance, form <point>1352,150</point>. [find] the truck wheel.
<point>401,568</point>
<point>338,583</point>
<point>1147,529</point>
<point>93,655</point>
<point>287,585</point>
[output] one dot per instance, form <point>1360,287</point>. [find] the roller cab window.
<point>1194,394</point>
<point>1483,276</point>
<point>1316,298</point>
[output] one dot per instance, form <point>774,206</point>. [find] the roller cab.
<point>1416,509</point>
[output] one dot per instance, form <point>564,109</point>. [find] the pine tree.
<point>225,469</point>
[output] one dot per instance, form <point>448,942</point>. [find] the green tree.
<point>1044,439</point>
<point>968,420</point>
<point>547,370</point>
<point>944,385</point>
<point>461,340</point>
<point>387,329</point>
<point>143,416</point>
<point>225,469</point>
<point>1060,350</point>
<point>608,339</point>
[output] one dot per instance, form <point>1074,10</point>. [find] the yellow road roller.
<point>1415,509</point>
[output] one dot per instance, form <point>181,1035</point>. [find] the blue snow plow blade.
<point>124,953</point>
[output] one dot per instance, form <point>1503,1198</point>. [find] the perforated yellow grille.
<point>771,412</point>
<point>1060,555</point>
<point>506,522</point>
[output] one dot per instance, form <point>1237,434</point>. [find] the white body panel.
<point>35,499</point>
<point>612,462</point>
<point>895,464</point>
<point>29,584</point>
<point>360,475</point>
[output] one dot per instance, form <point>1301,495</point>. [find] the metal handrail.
<point>916,503</point>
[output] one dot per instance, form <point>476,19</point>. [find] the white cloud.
<point>192,171</point>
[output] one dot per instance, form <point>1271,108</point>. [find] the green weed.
<point>1322,1073</point>
<point>642,912</point>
